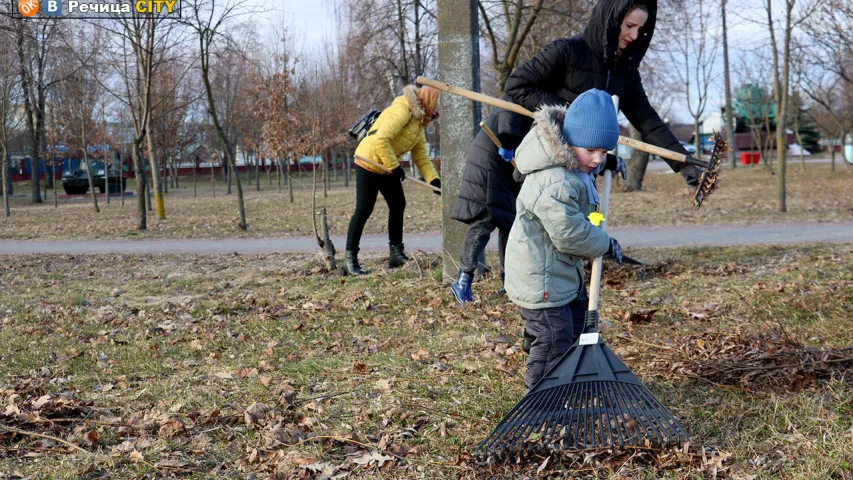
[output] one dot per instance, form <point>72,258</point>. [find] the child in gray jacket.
<point>552,234</point>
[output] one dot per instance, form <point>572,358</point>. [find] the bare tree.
<point>782,77</point>
<point>506,25</point>
<point>659,88</point>
<point>34,37</point>
<point>730,130</point>
<point>9,95</point>
<point>833,117</point>
<point>693,53</point>
<point>209,21</point>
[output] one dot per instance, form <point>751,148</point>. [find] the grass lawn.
<point>265,366</point>
<point>746,195</point>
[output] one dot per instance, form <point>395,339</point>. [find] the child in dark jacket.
<point>552,233</point>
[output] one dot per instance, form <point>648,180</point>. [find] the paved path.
<point>672,236</point>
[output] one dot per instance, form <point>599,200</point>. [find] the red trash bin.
<point>745,158</point>
<point>756,157</point>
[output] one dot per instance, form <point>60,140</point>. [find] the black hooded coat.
<point>556,76</point>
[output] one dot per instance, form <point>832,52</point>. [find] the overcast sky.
<point>311,23</point>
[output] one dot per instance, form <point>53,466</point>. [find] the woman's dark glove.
<point>691,174</point>
<point>616,165</point>
<point>399,173</point>
<point>436,182</point>
<point>615,251</point>
<point>517,176</point>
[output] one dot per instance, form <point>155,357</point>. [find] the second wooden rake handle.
<point>494,138</point>
<point>512,107</point>
<point>387,171</point>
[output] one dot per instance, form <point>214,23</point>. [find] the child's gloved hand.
<point>506,154</point>
<point>616,165</point>
<point>437,184</point>
<point>615,251</point>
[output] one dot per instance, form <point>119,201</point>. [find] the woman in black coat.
<point>606,56</point>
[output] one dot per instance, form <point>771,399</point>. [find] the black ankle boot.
<point>398,257</point>
<point>351,264</point>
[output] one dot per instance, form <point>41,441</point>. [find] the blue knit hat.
<point>591,121</point>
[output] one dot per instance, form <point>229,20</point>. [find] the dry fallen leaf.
<point>41,401</point>
<point>170,427</point>
<point>359,368</point>
<point>288,395</point>
<point>368,458</point>
<point>383,385</point>
<point>92,438</point>
<point>255,412</point>
<point>136,457</point>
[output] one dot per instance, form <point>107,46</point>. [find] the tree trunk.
<point>831,149</point>
<point>257,174</point>
<point>148,187</point>
<point>195,181</point>
<point>346,171</point>
<point>33,113</point>
<point>335,166</point>
<point>165,169</point>
<point>401,35</point>
<point>142,217</point>
<point>637,164</point>
<point>696,143</point>
<point>289,181</point>
<point>730,131</point>
<point>155,170</point>
<point>212,178</point>
<point>4,171</point>
<point>229,155</point>
<point>89,172</point>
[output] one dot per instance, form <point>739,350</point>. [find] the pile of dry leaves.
<point>757,361</point>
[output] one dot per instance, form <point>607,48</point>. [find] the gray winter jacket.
<point>551,233</point>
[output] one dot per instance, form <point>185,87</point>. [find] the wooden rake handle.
<point>494,138</point>
<point>512,107</point>
<point>386,171</point>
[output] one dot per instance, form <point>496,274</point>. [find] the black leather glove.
<point>616,165</point>
<point>399,173</point>
<point>691,174</point>
<point>436,182</point>
<point>615,251</point>
<point>517,176</point>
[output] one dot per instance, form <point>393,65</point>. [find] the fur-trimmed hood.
<point>544,146</point>
<point>410,92</point>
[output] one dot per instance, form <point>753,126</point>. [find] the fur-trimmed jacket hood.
<point>544,146</point>
<point>410,93</point>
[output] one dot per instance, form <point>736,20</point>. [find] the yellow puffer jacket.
<point>399,129</point>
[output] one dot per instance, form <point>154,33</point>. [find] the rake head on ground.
<point>709,179</point>
<point>590,400</point>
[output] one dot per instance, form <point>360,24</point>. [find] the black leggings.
<point>367,185</point>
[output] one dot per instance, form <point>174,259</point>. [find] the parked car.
<point>75,182</point>
<point>118,182</point>
<point>691,149</point>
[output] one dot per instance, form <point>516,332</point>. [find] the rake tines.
<point>583,416</point>
<point>709,179</point>
<point>589,400</point>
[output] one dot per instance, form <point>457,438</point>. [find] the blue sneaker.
<point>461,288</point>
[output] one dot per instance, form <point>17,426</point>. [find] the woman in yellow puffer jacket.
<point>399,129</point>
